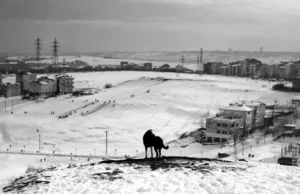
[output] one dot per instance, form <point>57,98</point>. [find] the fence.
<point>95,109</point>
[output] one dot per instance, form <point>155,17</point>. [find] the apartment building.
<point>221,129</point>
<point>240,111</point>
<point>65,84</point>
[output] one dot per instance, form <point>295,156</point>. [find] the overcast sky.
<point>148,25</point>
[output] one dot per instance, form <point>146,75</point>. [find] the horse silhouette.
<point>150,140</point>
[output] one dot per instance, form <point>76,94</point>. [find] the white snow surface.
<point>174,106</point>
<point>222,178</point>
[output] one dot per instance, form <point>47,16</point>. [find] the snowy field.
<point>177,103</point>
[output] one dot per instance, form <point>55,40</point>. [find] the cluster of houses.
<point>27,84</point>
<point>148,66</point>
<point>239,118</point>
<point>254,67</point>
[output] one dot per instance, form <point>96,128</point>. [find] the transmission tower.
<point>55,52</point>
<point>182,60</point>
<point>200,61</point>
<point>38,47</point>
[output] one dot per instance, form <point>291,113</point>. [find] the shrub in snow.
<point>108,85</point>
<point>32,168</point>
<point>198,135</point>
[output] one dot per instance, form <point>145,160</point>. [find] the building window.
<point>218,131</point>
<point>232,125</point>
<point>237,124</point>
<point>224,125</point>
<point>217,139</point>
<point>248,112</point>
<point>218,124</point>
<point>224,132</point>
<point>209,139</point>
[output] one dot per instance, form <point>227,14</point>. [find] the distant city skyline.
<point>150,25</point>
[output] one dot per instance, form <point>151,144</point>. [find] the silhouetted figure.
<point>150,140</point>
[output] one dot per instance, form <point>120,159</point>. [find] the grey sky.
<point>108,25</point>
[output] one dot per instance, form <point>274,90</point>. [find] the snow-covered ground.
<point>162,176</point>
<point>177,103</point>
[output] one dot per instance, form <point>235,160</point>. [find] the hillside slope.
<point>165,175</point>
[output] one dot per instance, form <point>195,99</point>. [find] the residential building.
<point>235,69</point>
<point>223,128</point>
<point>246,67</point>
<point>15,66</point>
<point>44,86</point>
<point>37,89</point>
<point>148,66</point>
<point>285,70</point>
<point>296,84</point>
<point>65,84</point>
<point>24,78</point>
<point>240,111</point>
<point>259,112</point>
<point>296,100</point>
<point>179,68</point>
<point>51,88</point>
<point>1,79</point>
<point>123,64</point>
<point>10,90</point>
<point>225,70</point>
<point>213,67</point>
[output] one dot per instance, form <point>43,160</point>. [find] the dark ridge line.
<point>162,159</point>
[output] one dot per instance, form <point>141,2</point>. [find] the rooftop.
<point>226,118</point>
<point>296,97</point>
<point>237,108</point>
<point>43,82</point>
<point>290,125</point>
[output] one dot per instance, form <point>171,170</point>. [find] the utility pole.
<point>39,143</point>
<point>106,141</point>
<point>12,104</point>
<point>38,47</point>
<point>55,52</point>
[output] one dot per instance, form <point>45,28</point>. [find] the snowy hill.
<point>164,175</point>
<point>176,103</point>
